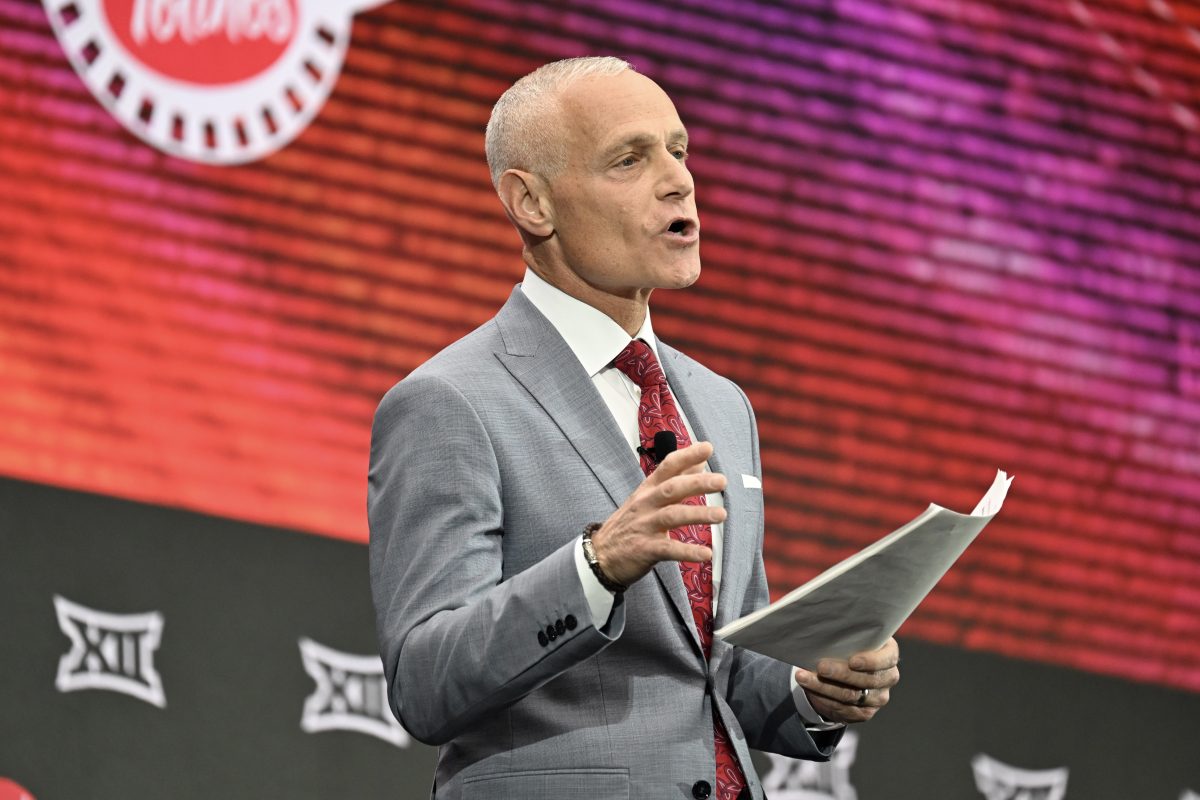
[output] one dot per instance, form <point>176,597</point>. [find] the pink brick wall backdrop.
<point>939,238</point>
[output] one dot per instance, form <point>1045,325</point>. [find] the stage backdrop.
<point>939,238</point>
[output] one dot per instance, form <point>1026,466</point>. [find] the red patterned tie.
<point>657,412</point>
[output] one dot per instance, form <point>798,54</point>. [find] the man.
<point>535,617</point>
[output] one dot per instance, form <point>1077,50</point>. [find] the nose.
<point>675,179</point>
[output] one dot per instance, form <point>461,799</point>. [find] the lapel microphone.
<point>665,443</point>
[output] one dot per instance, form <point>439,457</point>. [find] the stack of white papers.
<point>858,604</point>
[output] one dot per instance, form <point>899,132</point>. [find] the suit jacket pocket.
<point>550,784</point>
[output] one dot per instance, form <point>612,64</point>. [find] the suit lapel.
<point>707,421</point>
<point>538,358</point>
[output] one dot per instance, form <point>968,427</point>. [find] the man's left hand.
<point>836,688</point>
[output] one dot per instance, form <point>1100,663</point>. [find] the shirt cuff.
<point>600,600</point>
<point>812,720</point>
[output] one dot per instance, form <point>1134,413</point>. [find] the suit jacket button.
<point>571,622</point>
<point>551,632</point>
<point>542,640</point>
<point>701,790</point>
<point>560,627</point>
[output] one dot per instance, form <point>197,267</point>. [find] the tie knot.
<point>638,362</point>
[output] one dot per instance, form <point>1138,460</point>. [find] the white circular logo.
<point>215,81</point>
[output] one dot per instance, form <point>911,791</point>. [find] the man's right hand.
<point>634,538</point>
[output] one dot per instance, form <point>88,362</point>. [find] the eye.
<point>628,161</point>
<point>680,153</point>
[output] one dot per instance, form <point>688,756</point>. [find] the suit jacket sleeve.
<point>759,689</point>
<point>457,641</point>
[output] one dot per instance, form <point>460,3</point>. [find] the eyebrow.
<point>644,140</point>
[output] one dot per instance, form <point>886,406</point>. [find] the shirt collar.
<point>592,335</point>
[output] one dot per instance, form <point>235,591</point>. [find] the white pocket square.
<point>751,482</point>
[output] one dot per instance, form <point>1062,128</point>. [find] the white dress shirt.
<point>596,340</point>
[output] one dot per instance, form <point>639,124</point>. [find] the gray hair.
<point>517,135</point>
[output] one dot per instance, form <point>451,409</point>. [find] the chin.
<point>681,276</point>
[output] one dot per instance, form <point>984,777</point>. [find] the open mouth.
<point>682,227</point>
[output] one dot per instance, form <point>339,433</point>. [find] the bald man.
<point>546,576</point>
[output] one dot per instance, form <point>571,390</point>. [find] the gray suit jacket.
<point>486,463</point>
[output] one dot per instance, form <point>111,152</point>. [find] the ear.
<point>526,199</point>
